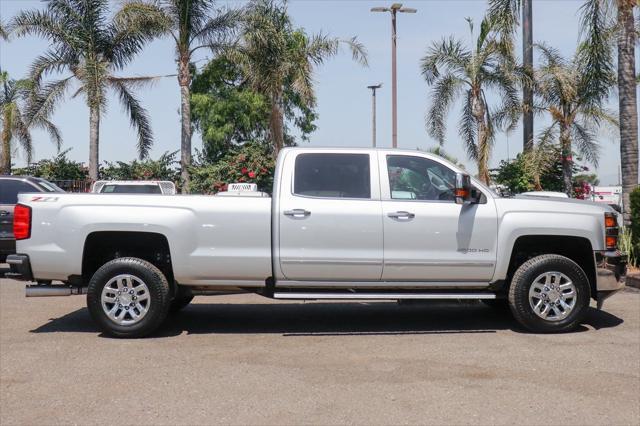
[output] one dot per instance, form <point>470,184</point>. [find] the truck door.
<point>427,237</point>
<point>329,216</point>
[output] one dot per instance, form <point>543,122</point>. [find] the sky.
<point>344,102</point>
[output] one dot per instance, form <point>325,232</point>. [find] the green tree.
<point>456,71</point>
<point>440,152</point>
<point>278,60</point>
<point>57,168</point>
<point>190,25</point>
<point>565,90</point>
<point>227,112</point>
<point>607,23</point>
<point>15,96</point>
<point>92,50</point>
<point>161,169</point>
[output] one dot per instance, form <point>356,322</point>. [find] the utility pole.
<point>373,110</point>
<point>527,58</point>
<point>394,9</point>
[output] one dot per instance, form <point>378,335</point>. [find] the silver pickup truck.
<point>346,224</point>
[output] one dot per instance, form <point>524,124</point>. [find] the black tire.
<point>181,300</point>
<point>524,279</point>
<point>159,296</point>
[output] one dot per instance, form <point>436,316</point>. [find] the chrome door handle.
<point>297,213</point>
<point>4,213</point>
<point>401,215</point>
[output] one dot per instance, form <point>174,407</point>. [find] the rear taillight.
<point>22,222</point>
<point>611,231</point>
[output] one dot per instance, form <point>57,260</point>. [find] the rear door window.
<point>332,175</point>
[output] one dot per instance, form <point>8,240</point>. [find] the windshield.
<point>131,189</point>
<point>47,186</point>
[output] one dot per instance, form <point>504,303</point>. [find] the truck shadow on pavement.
<point>331,319</point>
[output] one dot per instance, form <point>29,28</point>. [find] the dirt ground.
<point>250,360</point>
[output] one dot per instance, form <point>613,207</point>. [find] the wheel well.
<point>101,247</point>
<point>577,249</point>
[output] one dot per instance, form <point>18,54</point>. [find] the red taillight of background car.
<point>21,222</point>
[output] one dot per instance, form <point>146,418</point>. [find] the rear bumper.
<point>611,270</point>
<point>20,267</point>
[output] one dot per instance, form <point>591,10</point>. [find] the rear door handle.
<point>401,215</point>
<point>297,213</point>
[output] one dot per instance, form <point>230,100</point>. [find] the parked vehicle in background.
<point>343,224</point>
<point>610,195</point>
<point>134,187</point>
<point>10,187</point>
<point>547,194</point>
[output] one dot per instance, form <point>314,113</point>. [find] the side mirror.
<point>463,188</point>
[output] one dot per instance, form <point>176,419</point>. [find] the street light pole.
<point>373,110</point>
<point>394,9</point>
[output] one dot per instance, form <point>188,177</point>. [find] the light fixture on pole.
<point>373,110</point>
<point>394,9</point>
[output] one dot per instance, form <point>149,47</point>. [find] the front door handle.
<point>4,213</point>
<point>401,215</point>
<point>297,213</point>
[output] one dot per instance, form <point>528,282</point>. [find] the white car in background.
<point>548,194</point>
<point>164,187</point>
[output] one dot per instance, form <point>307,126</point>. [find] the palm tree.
<point>192,28</point>
<point>603,22</point>
<point>278,60</point>
<point>565,90</point>
<point>91,49</point>
<point>15,96</point>
<point>457,71</point>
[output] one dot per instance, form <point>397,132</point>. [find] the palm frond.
<point>449,54</point>
<point>444,92</point>
<point>137,116</point>
<point>21,132</point>
<point>217,32</point>
<point>358,51</point>
<point>43,103</point>
<point>505,15</point>
<point>585,142</point>
<point>468,127</point>
<point>4,31</point>
<point>595,52</point>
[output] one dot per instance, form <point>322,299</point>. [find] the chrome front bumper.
<point>611,270</point>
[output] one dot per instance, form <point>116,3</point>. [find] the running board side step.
<point>381,296</point>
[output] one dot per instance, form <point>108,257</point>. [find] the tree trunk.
<point>627,99</point>
<point>184,79</point>
<point>94,141</point>
<point>5,163</point>
<point>276,124</point>
<point>483,148</point>
<point>567,160</point>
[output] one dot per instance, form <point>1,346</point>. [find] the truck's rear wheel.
<point>128,297</point>
<point>549,293</point>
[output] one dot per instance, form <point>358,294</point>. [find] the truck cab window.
<point>332,175</point>
<point>418,178</point>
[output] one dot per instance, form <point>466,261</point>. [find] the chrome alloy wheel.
<point>125,299</point>
<point>552,296</point>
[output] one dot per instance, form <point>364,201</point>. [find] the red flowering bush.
<point>252,162</point>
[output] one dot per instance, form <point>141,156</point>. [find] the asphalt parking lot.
<point>248,360</point>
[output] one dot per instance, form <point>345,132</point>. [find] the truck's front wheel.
<point>549,293</point>
<point>128,297</point>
